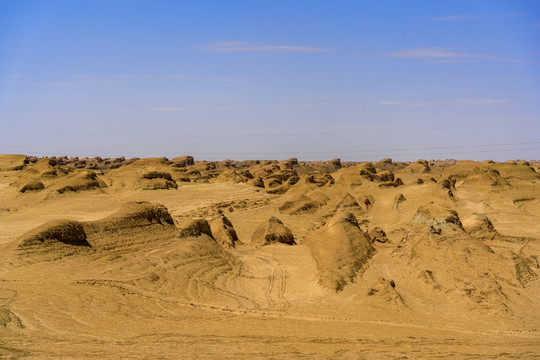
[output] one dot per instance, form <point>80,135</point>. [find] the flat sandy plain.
<point>183,259</point>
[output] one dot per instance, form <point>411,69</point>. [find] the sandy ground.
<point>458,289</point>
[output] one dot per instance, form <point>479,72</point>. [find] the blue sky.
<point>359,80</point>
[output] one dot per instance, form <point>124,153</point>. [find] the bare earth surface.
<point>183,259</point>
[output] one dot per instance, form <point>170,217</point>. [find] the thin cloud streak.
<point>309,105</point>
<point>440,53</point>
<point>455,17</point>
<point>242,46</point>
<point>455,102</point>
<point>117,79</point>
<point>187,77</point>
<point>112,79</point>
<point>461,17</point>
<point>194,108</point>
<point>406,103</point>
<point>481,102</point>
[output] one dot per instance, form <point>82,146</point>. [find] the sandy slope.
<point>456,276</point>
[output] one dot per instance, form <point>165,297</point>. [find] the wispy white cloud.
<point>437,53</point>
<point>112,79</point>
<point>56,83</point>
<point>242,46</point>
<point>455,102</point>
<point>455,17</point>
<point>218,79</point>
<point>405,103</point>
<point>311,105</point>
<point>480,80</point>
<point>462,17</point>
<point>170,108</point>
<point>194,108</point>
<point>481,102</point>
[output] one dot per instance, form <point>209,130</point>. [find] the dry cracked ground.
<point>183,259</point>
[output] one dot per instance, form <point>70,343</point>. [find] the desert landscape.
<point>269,179</point>
<point>180,258</point>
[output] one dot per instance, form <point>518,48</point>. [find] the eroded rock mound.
<point>272,231</point>
<point>386,289</point>
<point>479,225</point>
<point>139,213</point>
<point>319,197</point>
<point>398,200</point>
<point>182,161</point>
<point>437,218</point>
<point>156,180</point>
<point>47,168</point>
<point>418,167</point>
<point>32,185</point>
<point>340,249</point>
<point>223,231</point>
<point>300,205</point>
<point>485,176</point>
<point>135,223</point>
<point>13,162</point>
<point>378,235</point>
<point>367,201</point>
<point>196,228</point>
<point>56,234</point>
<point>86,180</point>
<point>348,202</point>
<point>9,320</point>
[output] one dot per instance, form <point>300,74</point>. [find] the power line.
<point>347,151</point>
<point>245,155</point>
<point>448,153</point>
<point>287,134</point>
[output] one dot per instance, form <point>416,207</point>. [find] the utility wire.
<point>288,134</point>
<point>247,155</point>
<point>352,151</point>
